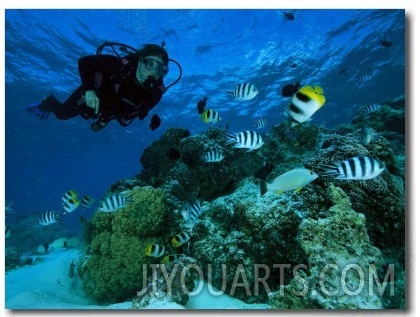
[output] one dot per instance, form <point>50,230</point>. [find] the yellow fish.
<point>294,179</point>
<point>154,250</point>
<point>304,103</point>
<point>210,116</point>
<point>180,239</point>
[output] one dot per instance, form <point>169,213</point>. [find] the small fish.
<point>294,179</point>
<point>68,195</point>
<point>180,239</point>
<point>201,105</point>
<point>191,211</point>
<point>71,269</point>
<point>87,201</point>
<point>385,43</point>
<point>210,116</point>
<point>289,16</point>
<point>371,108</point>
<point>250,140</point>
<point>362,79</point>
<point>244,91</point>
<point>71,204</point>
<point>154,250</point>
<point>47,218</point>
<point>290,89</point>
<point>154,122</point>
<point>8,208</point>
<point>367,135</point>
<point>82,220</point>
<point>260,123</point>
<point>170,258</point>
<point>213,156</point>
<point>8,232</point>
<point>355,168</point>
<point>304,103</point>
<point>113,202</point>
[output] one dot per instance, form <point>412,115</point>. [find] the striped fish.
<point>362,79</point>
<point>213,156</point>
<point>68,195</point>
<point>304,103</point>
<point>250,140</point>
<point>210,116</point>
<point>371,108</point>
<point>46,218</point>
<point>71,204</point>
<point>244,91</point>
<point>355,168</point>
<point>113,202</point>
<point>191,211</point>
<point>180,239</point>
<point>87,201</point>
<point>154,250</point>
<point>261,122</point>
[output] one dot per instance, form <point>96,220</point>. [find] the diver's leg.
<point>73,106</point>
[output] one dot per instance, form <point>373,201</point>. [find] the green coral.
<point>112,271</point>
<point>144,216</point>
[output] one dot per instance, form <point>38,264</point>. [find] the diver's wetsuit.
<point>121,97</point>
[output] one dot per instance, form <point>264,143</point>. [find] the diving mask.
<point>152,64</point>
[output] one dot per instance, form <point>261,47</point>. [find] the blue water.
<point>217,50</point>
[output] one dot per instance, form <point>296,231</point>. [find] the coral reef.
<point>113,266</point>
<point>168,283</point>
<point>301,242</point>
<point>333,245</point>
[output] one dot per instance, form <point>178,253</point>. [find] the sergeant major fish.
<point>46,218</point>
<point>213,156</point>
<point>244,91</point>
<point>113,203</point>
<point>355,168</point>
<point>191,211</point>
<point>250,140</point>
<point>304,103</point>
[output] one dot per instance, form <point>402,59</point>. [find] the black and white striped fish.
<point>191,211</point>
<point>362,79</point>
<point>213,156</point>
<point>46,218</point>
<point>261,122</point>
<point>250,140</point>
<point>355,168</point>
<point>113,202</point>
<point>244,91</point>
<point>371,108</point>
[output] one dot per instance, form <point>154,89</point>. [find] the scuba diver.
<point>114,87</point>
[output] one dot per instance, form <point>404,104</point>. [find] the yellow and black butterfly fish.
<point>304,103</point>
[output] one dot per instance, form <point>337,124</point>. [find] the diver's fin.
<point>35,109</point>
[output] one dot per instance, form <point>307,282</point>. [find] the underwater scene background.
<point>193,194</point>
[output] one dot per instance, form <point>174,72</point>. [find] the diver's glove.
<point>98,125</point>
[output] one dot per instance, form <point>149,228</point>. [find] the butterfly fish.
<point>304,103</point>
